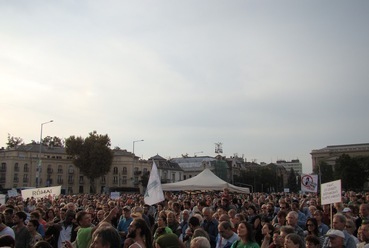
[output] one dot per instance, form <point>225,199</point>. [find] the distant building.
<point>294,164</point>
<point>169,171</point>
<point>192,166</point>
<point>329,154</point>
<point>18,167</point>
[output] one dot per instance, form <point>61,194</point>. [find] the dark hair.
<point>282,214</point>
<point>145,231</point>
<point>312,239</point>
<point>315,223</point>
<point>271,227</point>
<point>80,215</point>
<point>108,236</point>
<point>35,223</point>
<point>194,221</point>
<point>7,240</point>
<point>296,239</point>
<point>253,208</point>
<point>35,214</point>
<point>164,218</point>
<point>42,244</point>
<point>250,231</point>
<point>21,215</point>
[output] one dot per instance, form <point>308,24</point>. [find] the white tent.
<point>206,180</point>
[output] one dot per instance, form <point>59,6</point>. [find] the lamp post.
<point>133,162</point>
<point>194,154</point>
<point>39,156</point>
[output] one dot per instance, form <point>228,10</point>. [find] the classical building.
<point>19,169</point>
<point>329,154</point>
<point>192,166</point>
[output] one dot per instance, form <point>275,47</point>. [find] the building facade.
<point>329,154</point>
<point>294,164</point>
<point>19,169</point>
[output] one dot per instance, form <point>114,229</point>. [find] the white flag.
<point>154,192</point>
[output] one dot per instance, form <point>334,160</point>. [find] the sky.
<point>270,80</point>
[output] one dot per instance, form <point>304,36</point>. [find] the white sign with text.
<point>331,192</point>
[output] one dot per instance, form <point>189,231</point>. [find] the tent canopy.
<point>206,180</point>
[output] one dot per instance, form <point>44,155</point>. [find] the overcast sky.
<point>268,79</point>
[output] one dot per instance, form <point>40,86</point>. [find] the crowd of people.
<point>186,220</point>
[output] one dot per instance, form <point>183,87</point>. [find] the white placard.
<point>114,195</point>
<point>49,192</point>
<point>331,192</point>
<point>2,199</point>
<point>309,183</point>
<point>286,190</point>
<point>12,193</point>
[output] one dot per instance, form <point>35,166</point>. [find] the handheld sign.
<point>331,192</point>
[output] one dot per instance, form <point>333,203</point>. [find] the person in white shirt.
<point>226,237</point>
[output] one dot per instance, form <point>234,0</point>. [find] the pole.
<point>133,161</point>
<point>39,156</point>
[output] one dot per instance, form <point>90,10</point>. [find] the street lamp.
<point>39,156</point>
<point>134,145</point>
<point>194,154</point>
<point>133,161</point>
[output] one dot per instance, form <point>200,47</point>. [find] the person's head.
<point>162,221</point>
<point>339,222</point>
<point>69,216</point>
<point>193,222</point>
<point>200,242</point>
<point>185,215</point>
<point>126,212</point>
<point>292,218</point>
<point>42,244</point>
<point>105,237</point>
<point>8,214</point>
<point>167,240</point>
<point>284,206</point>
<point>312,226</point>
<point>207,213</point>
<point>83,219</point>
<point>19,218</point>
<point>293,240</point>
<point>171,217</point>
<point>365,231</point>
<point>7,241</point>
<point>34,215</point>
<point>312,242</point>
<point>100,215</point>
<point>32,225</point>
<point>245,231</point>
<point>350,226</point>
<point>50,213</point>
<point>336,238</point>
<point>225,229</point>
<point>318,215</point>
<point>285,230</point>
<point>281,217</point>
<point>138,227</point>
<point>364,210</point>
<point>277,239</point>
<point>251,210</point>
<point>62,213</point>
<point>267,228</point>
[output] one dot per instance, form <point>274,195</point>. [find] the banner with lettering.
<point>48,192</point>
<point>309,183</point>
<point>331,192</point>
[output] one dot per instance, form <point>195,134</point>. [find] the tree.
<point>326,172</point>
<point>13,141</point>
<point>52,141</point>
<point>91,155</point>
<point>292,181</point>
<point>353,172</point>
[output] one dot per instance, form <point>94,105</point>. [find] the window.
<point>173,177</point>
<point>81,179</point>
<point>124,180</point>
<point>16,178</point>
<point>115,170</point>
<point>144,170</point>
<point>70,169</point>
<point>25,168</point>
<point>60,169</point>
<point>25,178</point>
<point>115,180</point>
<point>124,170</point>
<point>70,179</point>
<point>103,179</point>
<point>3,167</point>
<point>60,179</point>
<point>16,167</point>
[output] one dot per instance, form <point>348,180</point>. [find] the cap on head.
<point>335,233</point>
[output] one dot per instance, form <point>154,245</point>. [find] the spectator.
<point>32,226</point>
<point>294,240</point>
<point>226,236</point>
<point>22,235</point>
<point>200,242</point>
<point>246,237</point>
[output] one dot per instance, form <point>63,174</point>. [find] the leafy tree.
<point>292,181</point>
<point>326,171</point>
<point>353,172</point>
<point>53,141</point>
<point>91,155</point>
<point>14,141</point>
